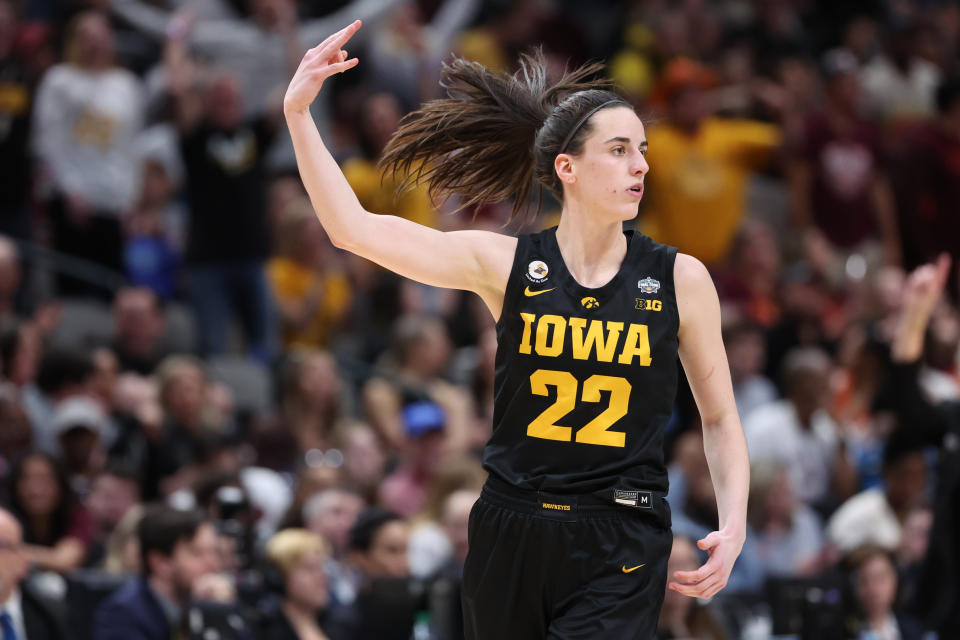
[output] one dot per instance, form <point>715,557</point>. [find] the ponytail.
<point>495,136</point>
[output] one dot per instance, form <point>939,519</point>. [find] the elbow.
<point>342,241</point>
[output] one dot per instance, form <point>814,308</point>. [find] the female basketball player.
<point>571,536</point>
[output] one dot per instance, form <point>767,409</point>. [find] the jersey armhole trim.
<point>670,258</point>
<point>512,291</point>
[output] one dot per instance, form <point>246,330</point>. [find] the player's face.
<point>607,177</point>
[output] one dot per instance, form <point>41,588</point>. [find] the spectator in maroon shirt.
<point>927,186</point>
<point>837,186</point>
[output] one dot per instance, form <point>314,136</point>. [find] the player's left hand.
<point>706,581</point>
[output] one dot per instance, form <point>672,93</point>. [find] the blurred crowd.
<point>214,424</point>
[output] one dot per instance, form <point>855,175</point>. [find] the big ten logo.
<point>647,305</point>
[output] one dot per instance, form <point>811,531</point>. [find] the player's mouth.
<point>636,190</point>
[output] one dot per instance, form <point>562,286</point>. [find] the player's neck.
<point>592,250</point>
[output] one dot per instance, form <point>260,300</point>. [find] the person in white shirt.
<point>798,432</point>
<point>88,116</point>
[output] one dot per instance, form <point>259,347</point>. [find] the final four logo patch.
<point>649,285</point>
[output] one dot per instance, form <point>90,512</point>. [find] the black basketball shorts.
<point>558,567</point>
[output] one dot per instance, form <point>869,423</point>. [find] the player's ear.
<point>564,165</point>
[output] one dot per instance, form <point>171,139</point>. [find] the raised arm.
<point>477,261</point>
<point>705,364</point>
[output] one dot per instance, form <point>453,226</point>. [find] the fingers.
<point>338,39</point>
<point>709,568</point>
<point>943,268</point>
<point>710,541</point>
<point>706,589</point>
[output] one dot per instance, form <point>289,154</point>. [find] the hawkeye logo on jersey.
<point>589,303</point>
<point>537,271</point>
<point>648,285</point>
<point>647,305</point>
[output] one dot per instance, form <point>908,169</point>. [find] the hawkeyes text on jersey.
<point>585,378</point>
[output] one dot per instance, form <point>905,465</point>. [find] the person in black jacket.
<point>24,615</point>
<point>937,595</point>
<point>177,548</point>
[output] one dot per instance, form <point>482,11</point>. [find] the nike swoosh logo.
<point>530,294</point>
<point>625,570</point>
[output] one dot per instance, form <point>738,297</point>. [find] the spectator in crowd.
<point>80,427</point>
<point>89,112</point>
<point>259,50</point>
<point>875,580</point>
<point>364,459</point>
<point>24,614</point>
<point>113,494</point>
<point>682,617</point>
<point>153,251</point>
<point>698,191</point>
<point>310,288</point>
<point>177,549</point>
<point>898,83</point>
<point>56,530</point>
<point>417,361</point>
<point>405,490</point>
<point>62,373</point>
<point>798,433</point>
<point>937,598</point>
<point>876,516</point>
<point>746,353</point>
<point>788,534</point>
<point>224,154</point>
<point>379,116</point>
<point>838,188</point>
<point>748,286</point>
<point>332,514</point>
<point>378,544</point>
<point>312,403</point>
<point>926,180</point>
<point>138,330</point>
<point>299,558</point>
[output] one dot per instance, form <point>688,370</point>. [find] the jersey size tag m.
<point>638,499</point>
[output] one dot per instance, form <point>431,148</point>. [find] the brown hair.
<point>496,133</point>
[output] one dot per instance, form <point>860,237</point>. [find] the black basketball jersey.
<point>585,378</point>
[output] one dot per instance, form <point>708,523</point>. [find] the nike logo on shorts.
<point>625,570</point>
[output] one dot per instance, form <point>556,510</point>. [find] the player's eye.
<point>619,150</point>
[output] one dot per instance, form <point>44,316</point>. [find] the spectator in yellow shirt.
<point>696,196</point>
<point>311,292</point>
<point>379,117</point>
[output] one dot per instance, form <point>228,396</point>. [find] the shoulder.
<point>57,76</point>
<point>132,598</point>
<point>693,282</point>
<point>43,615</point>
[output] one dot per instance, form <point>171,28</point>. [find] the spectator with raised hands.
<point>937,597</point>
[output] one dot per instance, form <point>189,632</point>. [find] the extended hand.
<point>318,64</point>
<point>924,286</point>
<point>713,575</point>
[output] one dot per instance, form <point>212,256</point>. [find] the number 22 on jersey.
<point>594,432</point>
